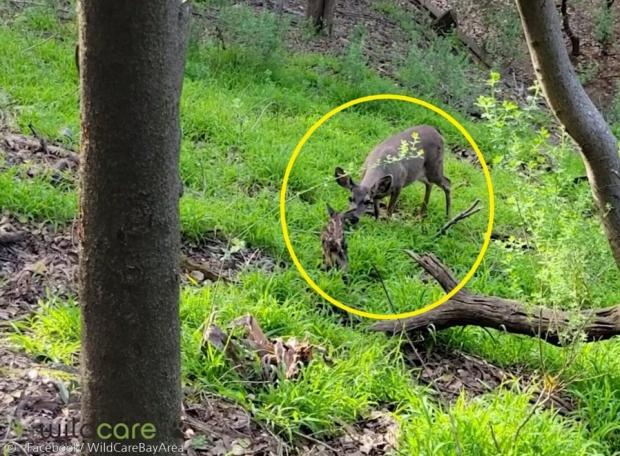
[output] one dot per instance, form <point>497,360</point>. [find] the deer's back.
<point>408,156</point>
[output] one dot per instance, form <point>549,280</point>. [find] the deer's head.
<point>362,196</point>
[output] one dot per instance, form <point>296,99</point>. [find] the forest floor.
<point>39,261</point>
<point>251,90</point>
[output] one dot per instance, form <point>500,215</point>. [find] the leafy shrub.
<point>440,72</point>
<point>354,62</point>
<point>259,34</point>
<point>513,136</point>
<point>613,113</point>
<point>604,24</point>
<point>569,248</point>
<point>504,32</point>
<point>587,72</point>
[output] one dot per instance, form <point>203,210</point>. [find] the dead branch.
<point>466,308</point>
<point>42,143</point>
<point>463,215</point>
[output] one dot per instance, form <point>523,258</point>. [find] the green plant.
<point>440,70</point>
<point>613,113</point>
<point>504,32</point>
<point>604,20</point>
<point>509,139</point>
<point>587,72</point>
<point>52,333</point>
<point>258,35</point>
<point>354,62</point>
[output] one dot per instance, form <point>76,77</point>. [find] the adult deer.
<point>415,154</point>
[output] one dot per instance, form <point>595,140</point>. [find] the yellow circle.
<point>289,168</point>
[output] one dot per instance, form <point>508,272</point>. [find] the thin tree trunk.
<point>574,109</point>
<point>314,12</point>
<point>131,60</point>
<point>574,39</point>
<point>329,9</point>
<point>465,308</point>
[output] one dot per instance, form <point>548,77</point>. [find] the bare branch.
<point>461,216</point>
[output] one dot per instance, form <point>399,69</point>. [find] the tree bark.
<point>131,60</point>
<point>574,109</point>
<point>321,13</point>
<point>465,308</point>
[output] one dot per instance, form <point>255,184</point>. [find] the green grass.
<point>242,115</point>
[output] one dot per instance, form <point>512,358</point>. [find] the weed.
<point>604,24</point>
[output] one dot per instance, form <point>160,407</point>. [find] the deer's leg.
<point>392,204</point>
<point>375,204</point>
<point>427,197</point>
<point>445,185</point>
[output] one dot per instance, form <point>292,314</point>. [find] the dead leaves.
<point>452,372</point>
<point>38,260</point>
<point>277,358</point>
<point>32,395</point>
<point>35,157</point>
<point>214,259</point>
<point>374,436</point>
<point>217,427</point>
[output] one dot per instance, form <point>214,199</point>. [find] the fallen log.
<point>466,308</point>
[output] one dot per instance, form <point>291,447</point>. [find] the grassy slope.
<point>241,118</point>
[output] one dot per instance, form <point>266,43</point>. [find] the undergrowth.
<point>246,102</point>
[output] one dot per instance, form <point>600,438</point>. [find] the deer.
<point>415,154</point>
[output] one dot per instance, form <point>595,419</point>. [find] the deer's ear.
<point>382,186</point>
<point>343,179</point>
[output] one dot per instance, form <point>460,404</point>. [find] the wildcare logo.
<point>111,438</point>
<point>103,431</point>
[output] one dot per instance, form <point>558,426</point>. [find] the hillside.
<point>255,82</point>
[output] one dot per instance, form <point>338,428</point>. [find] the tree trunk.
<point>321,13</point>
<point>131,59</point>
<point>574,109</point>
<point>574,39</point>
<point>465,308</point>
